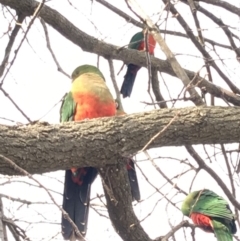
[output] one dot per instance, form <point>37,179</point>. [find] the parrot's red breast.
<point>151,44</point>
<point>89,98</point>
<point>203,221</point>
<point>90,106</point>
<point>89,103</point>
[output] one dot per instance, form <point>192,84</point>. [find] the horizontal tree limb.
<point>42,147</point>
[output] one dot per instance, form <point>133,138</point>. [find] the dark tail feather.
<point>76,201</point>
<point>232,224</point>
<point>129,79</point>
<point>132,175</point>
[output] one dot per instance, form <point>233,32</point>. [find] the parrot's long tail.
<point>132,175</point>
<point>221,231</point>
<point>129,79</point>
<point>76,197</point>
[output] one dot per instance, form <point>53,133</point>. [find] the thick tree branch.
<point>92,45</point>
<point>119,202</point>
<point>42,147</point>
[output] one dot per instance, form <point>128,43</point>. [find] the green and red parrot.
<point>132,175</point>
<point>89,98</point>
<point>137,42</point>
<point>211,213</point>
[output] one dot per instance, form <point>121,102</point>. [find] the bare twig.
<point>223,4</point>
<point>156,89</point>
<point>230,175</point>
<point>194,9</point>
<point>15,104</point>
<point>59,68</point>
<point>164,175</point>
<point>165,101</point>
<point>112,74</point>
<point>224,27</point>
<point>35,14</point>
<point>16,231</point>
<point>175,229</point>
<point>160,132</point>
<point>11,42</point>
<point>207,56</point>
<point>21,200</point>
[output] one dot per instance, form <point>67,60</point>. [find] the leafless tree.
<point>187,140</point>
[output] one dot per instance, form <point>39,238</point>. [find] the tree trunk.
<point>119,202</point>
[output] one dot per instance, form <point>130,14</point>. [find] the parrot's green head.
<point>83,69</point>
<point>189,201</point>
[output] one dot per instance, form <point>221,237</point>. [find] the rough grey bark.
<point>42,147</point>
<point>93,45</point>
<point>119,202</point>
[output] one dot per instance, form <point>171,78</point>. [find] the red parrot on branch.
<point>89,98</point>
<point>137,42</point>
<point>210,212</point>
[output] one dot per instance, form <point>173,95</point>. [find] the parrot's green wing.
<point>136,40</point>
<point>68,108</point>
<point>210,204</point>
<point>221,231</point>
